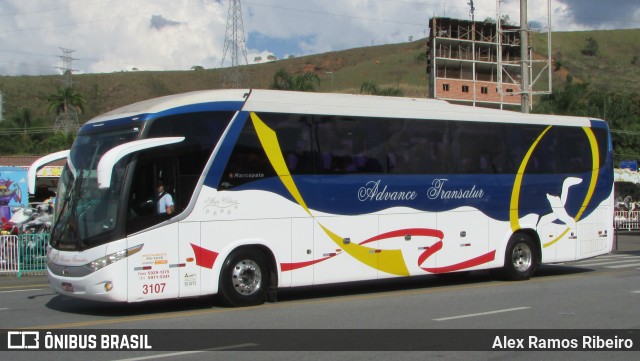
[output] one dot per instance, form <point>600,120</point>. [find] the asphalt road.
<point>599,293</point>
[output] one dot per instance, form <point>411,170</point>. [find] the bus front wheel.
<point>521,260</point>
<point>244,278</point>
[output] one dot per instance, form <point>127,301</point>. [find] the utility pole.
<point>235,47</point>
<point>524,56</point>
<point>472,12</point>
<point>331,73</point>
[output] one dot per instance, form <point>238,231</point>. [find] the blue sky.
<point>122,35</point>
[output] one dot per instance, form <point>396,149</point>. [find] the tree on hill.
<point>621,110</point>
<point>504,20</point>
<point>282,80</point>
<point>65,98</point>
<point>374,89</point>
<point>23,118</point>
<point>591,49</point>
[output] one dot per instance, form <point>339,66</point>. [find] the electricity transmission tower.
<point>234,47</point>
<point>1,110</point>
<point>68,119</point>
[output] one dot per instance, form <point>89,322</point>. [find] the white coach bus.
<point>274,189</point>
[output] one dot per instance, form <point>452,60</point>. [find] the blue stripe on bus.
<point>597,123</point>
<point>144,117</point>
<point>222,157</point>
<point>491,194</point>
<point>202,107</point>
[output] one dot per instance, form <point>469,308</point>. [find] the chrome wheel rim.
<point>246,277</point>
<point>521,257</point>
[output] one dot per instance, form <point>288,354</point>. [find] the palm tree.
<point>23,118</point>
<point>65,99</point>
<point>282,80</point>
<point>305,82</point>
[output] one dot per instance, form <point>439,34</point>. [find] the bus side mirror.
<point>113,155</point>
<point>39,163</point>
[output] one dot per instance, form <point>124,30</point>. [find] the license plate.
<point>68,287</point>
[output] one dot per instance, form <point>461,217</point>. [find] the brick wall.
<point>455,91</point>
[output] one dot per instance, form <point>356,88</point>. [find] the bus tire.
<point>521,258</point>
<point>244,278</point>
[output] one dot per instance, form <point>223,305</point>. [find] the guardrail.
<point>626,220</point>
<point>23,254</point>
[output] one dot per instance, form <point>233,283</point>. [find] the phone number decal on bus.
<point>153,288</point>
<point>158,274</point>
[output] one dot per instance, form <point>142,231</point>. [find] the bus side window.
<point>479,148</point>
<point>418,146</point>
<point>179,165</point>
<point>248,161</point>
<point>351,145</point>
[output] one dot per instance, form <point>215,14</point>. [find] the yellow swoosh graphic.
<point>390,261</point>
<point>515,194</point>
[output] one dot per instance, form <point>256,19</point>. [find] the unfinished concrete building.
<point>467,64</point>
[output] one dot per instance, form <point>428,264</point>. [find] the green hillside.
<point>614,68</point>
<point>343,71</point>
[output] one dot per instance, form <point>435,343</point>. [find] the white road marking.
<point>604,263</point>
<point>611,256</point>
<point>29,289</point>
<point>624,265</point>
<point>481,314</point>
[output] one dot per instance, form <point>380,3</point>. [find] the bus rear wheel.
<point>244,278</point>
<point>521,258</point>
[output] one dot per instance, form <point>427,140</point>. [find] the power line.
<point>625,132</point>
<point>32,130</point>
<point>318,12</point>
<point>56,9</point>
<point>432,4</point>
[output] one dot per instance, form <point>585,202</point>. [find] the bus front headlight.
<point>113,258</point>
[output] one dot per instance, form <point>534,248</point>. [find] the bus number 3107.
<point>153,288</point>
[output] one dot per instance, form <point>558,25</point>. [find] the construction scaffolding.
<point>463,61</point>
<point>479,63</point>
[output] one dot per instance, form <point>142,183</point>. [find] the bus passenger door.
<point>465,243</point>
<point>154,271</point>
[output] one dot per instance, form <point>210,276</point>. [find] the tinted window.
<point>418,147</point>
<point>350,145</point>
<point>479,148</point>
<point>316,144</point>
<point>560,150</point>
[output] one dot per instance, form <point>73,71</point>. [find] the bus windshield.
<point>83,211</point>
